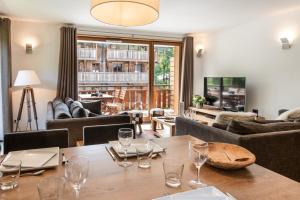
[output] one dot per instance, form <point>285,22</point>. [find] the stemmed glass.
<point>125,136</point>
<point>76,172</point>
<point>198,152</point>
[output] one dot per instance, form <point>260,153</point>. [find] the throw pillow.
<point>226,117</point>
<point>290,115</point>
<point>61,111</point>
<point>69,101</point>
<point>93,106</point>
<point>56,101</point>
<point>245,128</point>
<point>77,110</point>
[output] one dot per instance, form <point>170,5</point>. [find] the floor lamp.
<point>27,78</point>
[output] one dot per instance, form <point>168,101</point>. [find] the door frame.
<point>151,43</point>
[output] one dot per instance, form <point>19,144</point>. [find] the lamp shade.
<point>124,12</point>
<point>27,77</point>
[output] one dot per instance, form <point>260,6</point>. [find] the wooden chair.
<point>118,103</point>
<point>103,133</point>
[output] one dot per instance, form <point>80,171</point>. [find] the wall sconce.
<point>285,43</point>
<point>28,48</point>
<point>200,53</point>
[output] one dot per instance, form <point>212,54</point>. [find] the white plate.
<point>131,152</point>
<point>34,158</point>
<point>206,193</point>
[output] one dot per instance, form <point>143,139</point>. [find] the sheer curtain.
<point>6,82</point>
<point>67,77</point>
<point>187,72</point>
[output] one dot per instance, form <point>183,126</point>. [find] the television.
<point>228,93</point>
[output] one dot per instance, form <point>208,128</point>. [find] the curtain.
<point>67,72</point>
<point>187,72</point>
<point>6,82</point>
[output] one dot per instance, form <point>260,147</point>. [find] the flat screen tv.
<point>228,93</point>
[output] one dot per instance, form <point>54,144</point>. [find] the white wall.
<point>45,38</point>
<point>253,50</point>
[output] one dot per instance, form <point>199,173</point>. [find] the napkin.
<point>206,193</point>
<point>132,150</point>
<point>30,159</point>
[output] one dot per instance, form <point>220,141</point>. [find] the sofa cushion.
<point>69,101</point>
<point>245,128</point>
<point>225,117</point>
<point>56,101</point>
<point>219,126</point>
<point>290,115</point>
<point>61,111</point>
<point>77,110</point>
<point>93,106</point>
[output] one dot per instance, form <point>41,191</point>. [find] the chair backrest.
<point>123,93</point>
<point>117,93</point>
<point>35,140</point>
<point>104,133</point>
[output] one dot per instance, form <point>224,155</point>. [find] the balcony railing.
<point>112,77</point>
<point>127,55</point>
<point>87,53</point>
<point>136,97</point>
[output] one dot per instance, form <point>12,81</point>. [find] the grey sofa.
<point>277,151</point>
<point>75,125</point>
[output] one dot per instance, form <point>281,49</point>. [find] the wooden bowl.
<point>229,156</point>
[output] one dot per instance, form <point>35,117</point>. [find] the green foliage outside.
<point>162,65</point>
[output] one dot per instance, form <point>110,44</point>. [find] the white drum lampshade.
<point>27,78</point>
<point>124,12</point>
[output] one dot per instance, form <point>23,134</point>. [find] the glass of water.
<point>173,170</point>
<point>144,150</point>
<point>51,188</point>
<point>198,152</point>
<point>125,136</point>
<point>9,178</point>
<point>76,172</point>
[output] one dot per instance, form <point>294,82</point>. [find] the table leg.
<point>140,128</point>
<point>172,129</point>
<point>153,124</point>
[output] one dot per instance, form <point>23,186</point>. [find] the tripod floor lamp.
<point>27,78</point>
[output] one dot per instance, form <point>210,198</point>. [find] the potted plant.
<point>198,101</point>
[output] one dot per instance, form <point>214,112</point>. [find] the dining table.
<point>108,181</point>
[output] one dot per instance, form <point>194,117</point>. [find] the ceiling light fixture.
<point>125,12</point>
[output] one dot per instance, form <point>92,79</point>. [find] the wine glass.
<point>198,152</point>
<point>125,136</point>
<point>76,172</point>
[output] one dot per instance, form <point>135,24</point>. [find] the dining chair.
<point>36,139</point>
<point>102,134</point>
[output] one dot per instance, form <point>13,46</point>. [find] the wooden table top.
<point>89,97</point>
<point>109,181</point>
<point>162,121</point>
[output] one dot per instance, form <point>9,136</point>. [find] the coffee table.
<point>161,120</point>
<point>107,180</point>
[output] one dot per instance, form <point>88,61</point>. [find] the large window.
<point>109,67</point>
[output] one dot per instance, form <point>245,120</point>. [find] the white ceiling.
<point>176,16</point>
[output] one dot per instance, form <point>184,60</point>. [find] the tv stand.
<point>206,115</point>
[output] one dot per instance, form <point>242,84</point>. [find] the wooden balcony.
<point>87,78</point>
<point>127,55</point>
